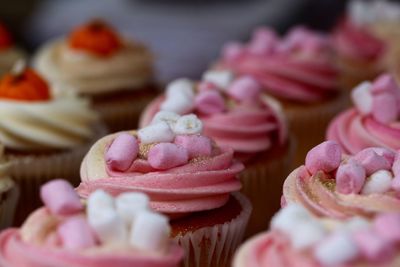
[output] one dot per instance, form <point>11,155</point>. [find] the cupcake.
<point>45,132</point>
<point>187,177</point>
<point>114,72</point>
<point>299,70</point>
<point>8,193</point>
<point>296,238</point>
<point>332,184</point>
<point>9,53</point>
<point>374,119</point>
<point>236,113</point>
<point>116,232</point>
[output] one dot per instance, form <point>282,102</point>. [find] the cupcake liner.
<point>30,172</point>
<point>308,123</point>
<point>214,246</point>
<point>8,203</point>
<point>123,112</point>
<point>262,182</point>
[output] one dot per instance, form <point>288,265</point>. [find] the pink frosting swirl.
<point>248,129</point>
<point>201,184</point>
<point>298,67</point>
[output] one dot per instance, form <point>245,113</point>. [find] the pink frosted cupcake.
<point>297,239</point>
<point>335,185</point>
<point>186,175</point>
<point>116,232</point>
<point>374,119</point>
<point>299,70</point>
<point>235,113</point>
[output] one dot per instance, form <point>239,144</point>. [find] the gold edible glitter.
<point>144,150</point>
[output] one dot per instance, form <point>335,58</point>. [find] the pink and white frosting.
<point>180,169</point>
<point>118,232</point>
<point>339,186</point>
<point>374,119</point>
<point>297,239</point>
<point>233,110</point>
<point>297,67</point>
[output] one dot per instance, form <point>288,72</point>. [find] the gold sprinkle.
<point>199,159</point>
<point>144,150</point>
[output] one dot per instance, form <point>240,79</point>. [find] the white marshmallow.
<point>307,233</point>
<point>150,231</point>
<point>159,132</point>
<point>336,250</point>
<point>130,204</point>
<point>221,78</point>
<point>178,103</point>
<point>166,116</point>
<point>362,98</point>
<point>355,224</point>
<point>104,220</point>
<point>180,86</point>
<point>378,182</point>
<point>290,216</point>
<point>188,124</point>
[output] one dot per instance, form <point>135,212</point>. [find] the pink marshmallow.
<point>374,247</point>
<point>264,41</point>
<point>75,233</point>
<point>166,155</point>
<point>388,154</point>
<point>388,226</point>
<point>122,152</point>
<point>371,161</point>
<point>396,184</point>
<point>302,38</point>
<point>396,164</point>
<point>209,102</point>
<point>195,145</point>
<point>244,88</point>
<point>60,198</point>
<point>205,86</point>
<point>350,178</point>
<point>232,51</point>
<point>324,157</point>
<point>384,108</point>
<point>384,83</point>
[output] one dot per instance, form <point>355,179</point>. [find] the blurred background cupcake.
<point>237,114</point>
<point>114,72</point>
<point>299,70</point>
<point>45,131</point>
<point>105,232</point>
<point>9,52</point>
<point>186,175</point>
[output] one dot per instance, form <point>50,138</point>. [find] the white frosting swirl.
<point>129,68</point>
<point>8,57</point>
<point>60,123</point>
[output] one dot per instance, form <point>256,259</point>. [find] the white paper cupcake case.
<point>222,240</point>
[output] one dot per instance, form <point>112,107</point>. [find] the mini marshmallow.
<point>150,231</point>
<point>179,103</point>
<point>122,152</point>
<point>104,220</point>
<point>244,88</point>
<point>371,161</point>
<point>350,178</point>
<point>60,198</point>
<point>154,133</point>
<point>232,51</point>
<point>384,108</point>
<point>182,86</point>
<point>384,83</point>
<point>205,86</point>
<point>307,233</point>
<point>221,78</point>
<point>287,218</point>
<point>130,204</point>
<point>372,246</point>
<point>388,154</point>
<point>188,124</point>
<point>195,145</point>
<point>166,116</point>
<point>388,226</point>
<point>263,42</point>
<point>379,182</point>
<point>324,157</point>
<point>396,165</point>
<point>166,155</point>
<point>354,224</point>
<point>209,102</point>
<point>362,97</point>
<point>337,249</point>
<point>75,233</point>
<point>396,184</point>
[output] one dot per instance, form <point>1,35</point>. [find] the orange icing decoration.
<point>5,38</point>
<point>96,37</point>
<point>26,86</point>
